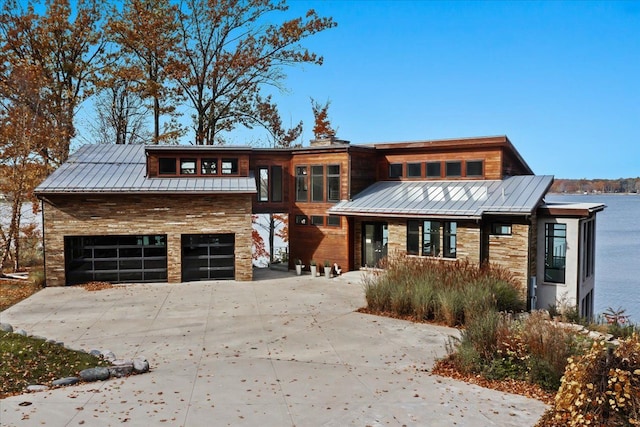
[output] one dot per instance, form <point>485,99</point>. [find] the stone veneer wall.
<point>513,253</point>
<point>168,214</point>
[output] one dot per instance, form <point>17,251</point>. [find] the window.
<point>413,237</point>
<point>302,192</point>
<point>209,166</point>
<point>431,238</point>
<point>501,229</point>
<point>229,166</point>
<point>555,246</point>
<point>301,220</point>
<point>333,183</point>
<point>433,170</point>
<point>333,221</point>
<point>263,184</point>
<point>276,183</point>
<point>395,170</point>
<point>474,168</point>
<point>317,220</point>
<point>187,166</point>
<point>317,183</point>
<point>449,237</point>
<point>166,166</point>
<point>588,248</point>
<point>453,168</point>
<point>414,170</point>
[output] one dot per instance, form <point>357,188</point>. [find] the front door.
<point>375,236</point>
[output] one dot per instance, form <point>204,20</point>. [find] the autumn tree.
<point>25,128</point>
<point>269,118</point>
<point>120,115</point>
<point>231,50</point>
<point>65,44</point>
<point>322,128</point>
<point>145,33</point>
<point>276,226</point>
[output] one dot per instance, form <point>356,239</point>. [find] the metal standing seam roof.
<point>516,195</point>
<point>108,168</point>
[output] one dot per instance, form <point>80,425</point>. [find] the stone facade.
<point>173,215</point>
<point>514,253</point>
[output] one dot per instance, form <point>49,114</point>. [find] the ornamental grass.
<point>448,292</point>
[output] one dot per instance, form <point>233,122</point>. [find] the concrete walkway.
<point>279,351</point>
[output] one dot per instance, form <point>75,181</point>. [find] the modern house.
<point>134,213</point>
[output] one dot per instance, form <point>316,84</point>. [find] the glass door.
<point>375,236</point>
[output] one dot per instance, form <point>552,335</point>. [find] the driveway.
<point>282,350</point>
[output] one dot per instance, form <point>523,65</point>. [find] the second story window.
<point>229,166</point>
<point>302,191</point>
<point>453,169</point>
<point>395,170</point>
<point>433,170</point>
<point>276,183</point>
<point>166,166</point>
<point>414,170</point>
<point>209,166</point>
<point>317,183</point>
<point>263,184</point>
<point>187,166</point>
<point>474,168</point>
<point>333,183</point>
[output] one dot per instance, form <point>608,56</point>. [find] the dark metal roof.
<point>517,195</point>
<point>121,169</point>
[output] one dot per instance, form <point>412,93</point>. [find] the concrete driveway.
<point>279,351</point>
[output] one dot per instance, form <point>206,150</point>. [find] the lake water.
<point>617,251</point>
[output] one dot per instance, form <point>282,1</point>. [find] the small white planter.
<point>299,268</point>
<point>327,272</point>
<point>314,270</point>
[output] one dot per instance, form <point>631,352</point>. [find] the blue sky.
<point>560,79</point>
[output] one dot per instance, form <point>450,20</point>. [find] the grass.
<point>28,360</point>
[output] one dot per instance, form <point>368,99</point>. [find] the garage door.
<point>116,259</point>
<point>208,256</point>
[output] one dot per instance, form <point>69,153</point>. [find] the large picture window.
<point>431,238</point>
<point>302,192</point>
<point>555,243</point>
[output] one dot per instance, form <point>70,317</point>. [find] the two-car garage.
<point>143,258</point>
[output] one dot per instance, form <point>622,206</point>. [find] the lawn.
<point>28,360</point>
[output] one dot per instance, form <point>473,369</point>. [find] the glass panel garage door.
<point>115,259</point>
<point>208,256</point>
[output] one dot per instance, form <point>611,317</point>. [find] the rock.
<point>140,365</point>
<point>66,381</point>
<point>20,332</point>
<point>37,387</point>
<point>99,373</point>
<point>120,370</point>
<point>108,355</point>
<point>96,353</point>
<point>5,327</point>
<point>121,362</point>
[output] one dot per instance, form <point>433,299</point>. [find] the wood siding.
<point>172,215</point>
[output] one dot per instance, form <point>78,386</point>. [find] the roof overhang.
<point>575,210</point>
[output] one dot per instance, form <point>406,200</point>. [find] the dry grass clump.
<point>449,292</point>
<point>600,388</point>
<point>530,348</point>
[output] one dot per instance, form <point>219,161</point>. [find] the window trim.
<point>317,179</point>
<point>263,184</point>
<point>450,239</point>
<point>302,178</point>
<point>550,237</point>
<point>331,177</point>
